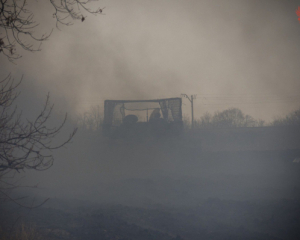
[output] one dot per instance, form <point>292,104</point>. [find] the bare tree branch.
<point>24,145</point>
<point>17,23</point>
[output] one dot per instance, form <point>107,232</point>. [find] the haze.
<point>203,182</point>
<point>233,53</point>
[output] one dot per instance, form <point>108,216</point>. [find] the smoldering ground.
<point>162,188</point>
<point>171,172</point>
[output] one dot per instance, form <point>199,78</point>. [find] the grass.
<point>23,232</point>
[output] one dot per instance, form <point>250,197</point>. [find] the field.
<point>211,219</point>
<point>157,190</point>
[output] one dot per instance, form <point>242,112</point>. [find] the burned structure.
<point>131,118</point>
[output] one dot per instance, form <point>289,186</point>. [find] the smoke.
<point>245,52</point>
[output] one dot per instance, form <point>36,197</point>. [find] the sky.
<point>233,53</point>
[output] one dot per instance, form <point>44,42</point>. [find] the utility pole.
<point>191,99</point>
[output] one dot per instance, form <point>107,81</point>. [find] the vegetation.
<point>292,119</point>
<point>24,144</point>
<point>232,117</point>
<point>28,144</point>
<point>23,232</point>
<point>90,120</point>
<point>18,25</point>
<point>229,118</point>
<point>211,219</point>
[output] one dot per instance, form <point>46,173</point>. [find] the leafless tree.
<point>91,120</point>
<point>229,118</point>
<point>24,144</point>
<point>292,119</point>
<point>29,144</point>
<point>17,23</point>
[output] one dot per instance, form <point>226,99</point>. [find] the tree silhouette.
<point>29,144</point>
<point>17,23</point>
<point>292,119</point>
<point>229,118</point>
<point>24,145</point>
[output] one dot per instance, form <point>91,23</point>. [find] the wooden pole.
<point>192,106</point>
<point>147,114</point>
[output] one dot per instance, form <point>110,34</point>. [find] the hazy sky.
<point>233,53</point>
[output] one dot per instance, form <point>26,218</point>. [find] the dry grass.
<point>23,232</point>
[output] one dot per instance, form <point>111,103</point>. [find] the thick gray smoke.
<point>241,182</point>
<point>232,54</point>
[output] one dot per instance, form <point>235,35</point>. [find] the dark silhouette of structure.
<point>130,118</point>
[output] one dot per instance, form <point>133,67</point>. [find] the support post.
<point>191,99</point>
<point>147,115</point>
<point>192,106</point>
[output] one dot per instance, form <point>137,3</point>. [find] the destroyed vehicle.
<point>142,118</point>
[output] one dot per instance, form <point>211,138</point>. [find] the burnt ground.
<point>169,194</point>
<point>211,219</point>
